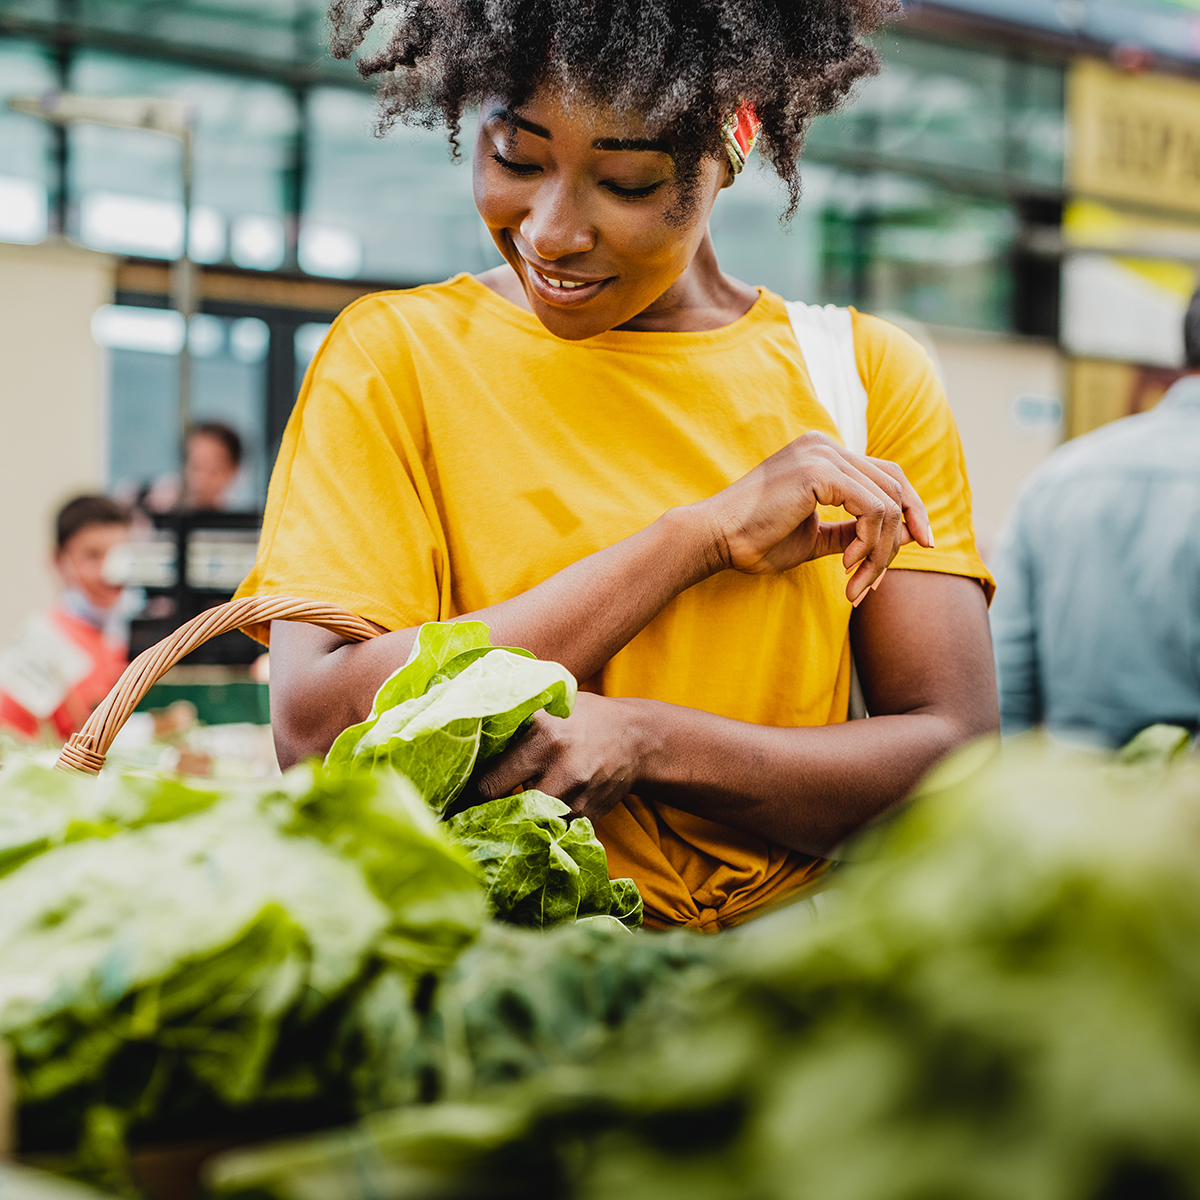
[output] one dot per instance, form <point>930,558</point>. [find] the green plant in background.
<point>1004,1002</point>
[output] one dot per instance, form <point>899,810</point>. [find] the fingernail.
<point>932,543</point>
<point>880,579</point>
<point>861,598</point>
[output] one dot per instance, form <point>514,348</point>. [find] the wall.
<point>52,420</point>
<point>1003,392</point>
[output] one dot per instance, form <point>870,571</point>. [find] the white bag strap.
<point>826,338</point>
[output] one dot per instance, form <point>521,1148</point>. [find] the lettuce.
<point>457,700</point>
<point>1005,1001</point>
<point>200,964</point>
<point>539,870</point>
<point>456,704</point>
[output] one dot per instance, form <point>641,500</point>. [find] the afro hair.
<point>684,65</point>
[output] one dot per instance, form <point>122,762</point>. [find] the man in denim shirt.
<point>1096,621</point>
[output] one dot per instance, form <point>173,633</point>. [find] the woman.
<point>611,453</point>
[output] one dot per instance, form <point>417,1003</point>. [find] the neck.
<point>702,298</point>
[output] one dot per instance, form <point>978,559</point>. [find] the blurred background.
<point>1020,188</point>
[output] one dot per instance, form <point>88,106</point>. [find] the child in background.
<point>65,660</point>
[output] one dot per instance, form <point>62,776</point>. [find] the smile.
<point>563,291</point>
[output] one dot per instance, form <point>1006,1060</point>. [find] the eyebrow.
<point>511,118</point>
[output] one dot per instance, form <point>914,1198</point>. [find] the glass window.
<point>754,247</point>
<point>891,243</point>
<point>392,208</point>
<point>279,30</point>
<point>228,383</point>
<point>953,106</point>
<point>884,242</point>
<point>26,143</point>
<point>127,183</point>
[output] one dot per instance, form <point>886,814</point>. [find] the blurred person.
<point>212,460</point>
<point>65,660</point>
<point>1096,621</point>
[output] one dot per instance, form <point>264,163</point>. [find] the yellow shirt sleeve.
<point>909,422</point>
<point>350,515</point>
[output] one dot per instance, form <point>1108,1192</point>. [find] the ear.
<point>729,176</point>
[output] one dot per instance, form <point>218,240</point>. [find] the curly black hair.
<point>683,64</point>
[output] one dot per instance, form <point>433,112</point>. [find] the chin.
<point>570,327</point>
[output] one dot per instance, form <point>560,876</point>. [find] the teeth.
<point>562,283</point>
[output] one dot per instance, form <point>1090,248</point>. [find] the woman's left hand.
<point>590,761</point>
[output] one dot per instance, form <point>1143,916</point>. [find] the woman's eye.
<point>628,193</point>
<point>515,168</point>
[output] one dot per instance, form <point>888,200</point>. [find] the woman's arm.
<point>765,522</point>
<point>924,654</point>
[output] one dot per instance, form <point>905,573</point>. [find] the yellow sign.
<point>1134,137</point>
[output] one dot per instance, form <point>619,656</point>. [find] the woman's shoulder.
<point>890,356</point>
<point>428,305</point>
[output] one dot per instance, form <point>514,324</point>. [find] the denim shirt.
<point>1096,621</point>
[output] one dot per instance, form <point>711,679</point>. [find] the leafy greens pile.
<point>168,950</point>
<point>454,706</point>
<point>172,952</point>
<point>178,961</point>
<point>1005,1001</point>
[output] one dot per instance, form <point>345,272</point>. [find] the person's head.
<point>600,151</point>
<point>1191,333</point>
<point>212,458</point>
<point>85,530</point>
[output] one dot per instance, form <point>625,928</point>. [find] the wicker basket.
<point>86,750</point>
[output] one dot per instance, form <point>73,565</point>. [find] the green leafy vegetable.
<point>457,703</point>
<point>155,965</point>
<point>1006,1002</point>
<point>539,870</point>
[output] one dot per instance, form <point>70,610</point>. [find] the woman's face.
<point>585,208</point>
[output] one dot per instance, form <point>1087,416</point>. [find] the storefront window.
<point>278,30</point>
<point>953,107</point>
<point>884,242</point>
<point>394,208</point>
<point>25,143</point>
<point>891,243</point>
<point>127,183</point>
<point>227,384</point>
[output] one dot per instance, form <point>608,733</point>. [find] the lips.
<point>562,292</point>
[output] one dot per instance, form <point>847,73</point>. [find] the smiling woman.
<point>621,458</point>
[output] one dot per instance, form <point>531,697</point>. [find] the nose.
<point>557,223</point>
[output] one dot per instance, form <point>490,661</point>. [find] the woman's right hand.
<point>767,521</point>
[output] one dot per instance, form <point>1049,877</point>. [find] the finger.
<point>878,517</point>
<point>916,518</point>
<point>522,764</point>
<point>872,568</point>
<point>833,537</point>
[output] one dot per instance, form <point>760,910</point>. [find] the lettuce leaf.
<point>41,808</point>
<point>201,963</point>
<point>456,702</point>
<point>539,870</point>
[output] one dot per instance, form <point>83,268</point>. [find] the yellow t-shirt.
<point>447,452</point>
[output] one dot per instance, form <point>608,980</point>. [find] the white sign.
<point>39,669</point>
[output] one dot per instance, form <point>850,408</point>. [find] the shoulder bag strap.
<point>826,338</point>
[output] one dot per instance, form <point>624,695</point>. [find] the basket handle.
<point>86,750</point>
